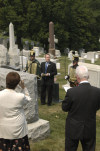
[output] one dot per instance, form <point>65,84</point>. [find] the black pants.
<point>46,89</point>
<point>87,144</point>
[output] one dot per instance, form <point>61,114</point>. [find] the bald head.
<point>82,73</point>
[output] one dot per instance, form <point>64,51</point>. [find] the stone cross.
<point>55,41</point>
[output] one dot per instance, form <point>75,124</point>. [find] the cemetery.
<point>40,27</point>
<point>40,125</point>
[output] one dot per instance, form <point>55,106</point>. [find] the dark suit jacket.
<point>51,69</point>
<point>81,103</point>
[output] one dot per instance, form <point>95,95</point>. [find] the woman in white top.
<point>13,125</point>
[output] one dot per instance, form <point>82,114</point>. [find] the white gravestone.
<point>57,53</point>
<point>91,55</point>
<point>36,49</point>
<point>94,73</point>
<point>58,65</point>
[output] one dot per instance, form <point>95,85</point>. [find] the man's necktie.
<point>46,65</point>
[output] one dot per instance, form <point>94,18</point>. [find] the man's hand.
<point>42,74</point>
<point>47,74</point>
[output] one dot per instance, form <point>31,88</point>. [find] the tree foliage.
<point>76,23</point>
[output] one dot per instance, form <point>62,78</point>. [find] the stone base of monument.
<point>52,52</point>
<point>10,67</point>
<point>38,130</point>
<point>55,97</point>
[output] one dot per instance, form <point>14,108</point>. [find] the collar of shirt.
<point>84,82</point>
<point>47,63</point>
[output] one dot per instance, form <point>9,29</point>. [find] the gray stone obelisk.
<point>13,49</point>
<point>51,39</point>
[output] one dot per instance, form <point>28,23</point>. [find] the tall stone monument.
<point>13,49</point>
<point>51,39</point>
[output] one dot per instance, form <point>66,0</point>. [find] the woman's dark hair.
<point>12,80</point>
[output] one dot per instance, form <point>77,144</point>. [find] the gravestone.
<point>41,50</point>
<point>13,49</point>
<point>36,49</point>
<point>81,51</point>
<point>26,45</point>
<point>37,128</point>
<point>5,42</point>
<point>70,55</point>
<point>25,53</point>
<point>1,41</point>
<point>3,55</point>
<point>91,55</point>
<point>94,73</point>
<point>83,55</point>
<point>57,53</point>
<point>66,51</point>
<point>32,44</point>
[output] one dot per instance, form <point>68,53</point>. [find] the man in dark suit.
<point>48,71</point>
<point>81,103</point>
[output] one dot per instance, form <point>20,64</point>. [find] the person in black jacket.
<point>81,103</point>
<point>48,71</point>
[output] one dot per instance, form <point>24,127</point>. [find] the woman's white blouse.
<point>13,123</point>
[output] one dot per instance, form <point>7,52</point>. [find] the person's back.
<point>81,103</point>
<point>13,125</point>
<point>84,101</point>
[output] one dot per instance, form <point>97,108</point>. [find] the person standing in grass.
<point>48,71</point>
<point>81,103</point>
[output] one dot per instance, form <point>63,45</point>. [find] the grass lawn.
<point>54,114</point>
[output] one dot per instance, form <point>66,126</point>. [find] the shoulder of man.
<point>42,63</point>
<point>52,63</point>
<point>95,88</point>
<point>37,61</point>
<point>73,89</point>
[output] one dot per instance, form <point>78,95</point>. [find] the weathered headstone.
<point>5,42</point>
<point>3,55</point>
<point>81,51</point>
<point>36,49</point>
<point>26,45</point>
<point>32,44</point>
<point>1,40</point>
<point>57,53</point>
<point>66,51</point>
<point>91,55</point>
